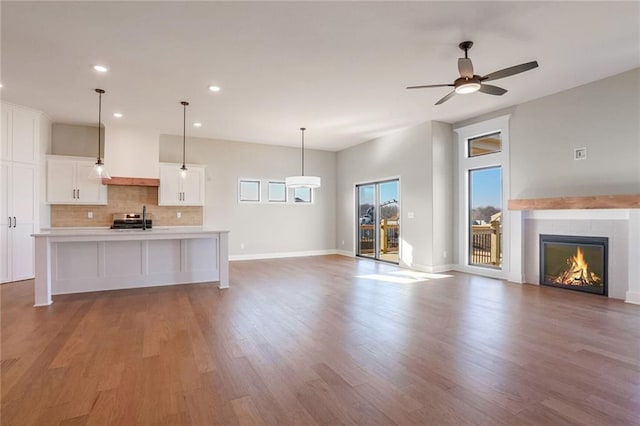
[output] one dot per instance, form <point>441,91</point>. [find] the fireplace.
<point>575,263</point>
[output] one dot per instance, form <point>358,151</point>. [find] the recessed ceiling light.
<point>214,88</point>
<point>117,114</point>
<point>197,124</point>
<point>100,68</point>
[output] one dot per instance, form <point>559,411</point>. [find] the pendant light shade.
<point>302,181</point>
<point>99,171</point>
<point>183,169</point>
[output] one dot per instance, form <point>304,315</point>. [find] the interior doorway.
<point>378,220</point>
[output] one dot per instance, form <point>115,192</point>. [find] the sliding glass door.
<point>378,220</point>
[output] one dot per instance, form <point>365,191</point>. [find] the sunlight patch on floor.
<point>403,277</point>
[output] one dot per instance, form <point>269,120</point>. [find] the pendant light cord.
<point>184,134</point>
<point>100,92</point>
<point>302,129</point>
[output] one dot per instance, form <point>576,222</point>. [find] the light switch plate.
<point>580,154</point>
<point>90,215</point>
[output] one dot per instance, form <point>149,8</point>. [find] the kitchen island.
<point>85,260</point>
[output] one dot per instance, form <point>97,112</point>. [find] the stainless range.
<point>131,221</point>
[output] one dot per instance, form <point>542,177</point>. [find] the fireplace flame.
<point>578,272</point>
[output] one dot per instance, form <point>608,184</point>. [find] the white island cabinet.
<point>85,260</point>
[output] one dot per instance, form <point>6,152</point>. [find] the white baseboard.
<point>485,272</point>
<point>633,297</point>
<point>344,253</point>
<point>235,257</point>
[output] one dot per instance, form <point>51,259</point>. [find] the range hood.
<point>131,181</point>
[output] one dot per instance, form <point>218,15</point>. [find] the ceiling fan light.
<point>466,88</point>
<point>302,182</point>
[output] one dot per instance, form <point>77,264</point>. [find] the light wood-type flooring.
<point>321,340</point>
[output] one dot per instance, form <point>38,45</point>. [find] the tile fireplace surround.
<point>620,225</point>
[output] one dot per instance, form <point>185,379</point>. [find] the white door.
<point>192,187</point>
<point>23,184</point>
<point>88,191</point>
<point>60,182</point>
<point>170,186</point>
<point>5,136</point>
<point>5,223</point>
<point>25,133</point>
<point>22,252</point>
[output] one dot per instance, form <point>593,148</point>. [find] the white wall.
<point>421,157</point>
<point>263,228</point>
<point>75,140</point>
<point>603,116</point>
<point>131,152</point>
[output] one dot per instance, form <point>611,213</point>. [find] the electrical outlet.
<point>90,215</point>
<point>580,154</point>
<point>178,215</point>
<point>444,254</point>
<point>241,246</point>
<point>410,215</point>
<point>342,242</point>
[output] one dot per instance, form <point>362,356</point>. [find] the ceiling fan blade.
<point>430,85</point>
<point>465,67</point>
<point>492,90</point>
<point>446,98</point>
<point>507,72</point>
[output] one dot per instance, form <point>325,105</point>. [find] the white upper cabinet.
<point>68,182</point>
<point>178,191</point>
<point>20,134</point>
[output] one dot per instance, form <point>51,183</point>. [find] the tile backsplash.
<point>126,199</point>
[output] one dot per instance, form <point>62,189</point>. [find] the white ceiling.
<point>339,69</point>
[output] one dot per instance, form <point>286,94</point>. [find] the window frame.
<point>249,180</point>
<point>286,192</point>
<point>293,196</point>
<point>464,165</point>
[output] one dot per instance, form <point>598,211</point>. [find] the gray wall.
<point>421,157</point>
<point>74,140</point>
<point>603,116</point>
<point>262,228</point>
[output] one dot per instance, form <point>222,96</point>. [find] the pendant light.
<point>302,181</point>
<point>183,169</point>
<point>99,171</point>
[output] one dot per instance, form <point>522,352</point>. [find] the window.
<point>485,217</point>
<point>302,195</point>
<point>483,231</point>
<point>249,191</point>
<point>482,145</point>
<point>277,192</point>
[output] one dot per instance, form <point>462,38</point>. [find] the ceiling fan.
<point>468,82</point>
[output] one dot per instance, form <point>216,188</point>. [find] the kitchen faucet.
<point>144,218</point>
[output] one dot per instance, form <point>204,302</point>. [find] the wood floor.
<point>321,340</point>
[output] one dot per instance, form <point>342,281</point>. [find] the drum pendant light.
<point>99,171</point>
<point>302,181</point>
<point>183,169</point>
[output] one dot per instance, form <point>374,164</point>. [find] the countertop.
<point>133,234</point>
